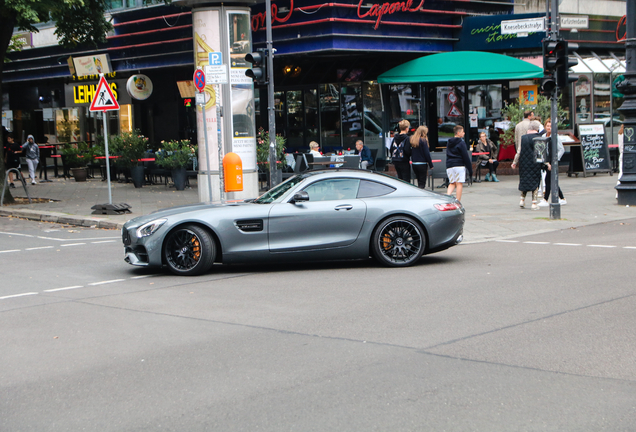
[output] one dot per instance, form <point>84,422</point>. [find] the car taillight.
<point>448,206</point>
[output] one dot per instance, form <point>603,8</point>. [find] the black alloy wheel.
<point>398,242</point>
<point>189,251</point>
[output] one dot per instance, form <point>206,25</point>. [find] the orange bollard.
<point>233,172</point>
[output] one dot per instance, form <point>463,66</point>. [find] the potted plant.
<point>75,157</point>
<point>129,147</point>
<point>175,156</point>
<point>262,153</point>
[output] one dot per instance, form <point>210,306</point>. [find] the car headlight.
<point>150,228</point>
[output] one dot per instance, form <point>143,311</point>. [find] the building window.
<point>372,115</point>
<point>352,112</point>
<point>404,103</point>
<point>330,125</point>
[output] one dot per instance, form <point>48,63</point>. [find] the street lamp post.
<point>627,188</point>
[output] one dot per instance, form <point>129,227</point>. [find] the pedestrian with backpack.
<point>458,162</point>
<point>401,151</point>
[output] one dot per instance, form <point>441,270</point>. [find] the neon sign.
<point>258,20</point>
<point>378,11</point>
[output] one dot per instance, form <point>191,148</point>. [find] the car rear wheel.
<point>398,242</point>
<point>189,250</point>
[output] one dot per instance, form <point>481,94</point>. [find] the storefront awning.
<point>461,66</point>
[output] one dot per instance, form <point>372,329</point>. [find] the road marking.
<point>601,246</point>
<point>106,282</point>
<point>65,288</point>
<point>508,241</point>
<point>531,242</point>
<point>41,247</point>
<point>105,241</point>
<point>57,239</point>
<point>73,244</point>
<point>568,244</point>
<point>629,247</point>
<point>18,295</point>
<point>12,250</point>
<point>142,277</point>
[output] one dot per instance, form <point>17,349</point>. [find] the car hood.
<point>182,210</point>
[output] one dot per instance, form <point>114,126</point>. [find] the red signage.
<point>378,11</point>
<point>258,20</point>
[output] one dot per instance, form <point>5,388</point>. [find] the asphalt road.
<point>531,334</point>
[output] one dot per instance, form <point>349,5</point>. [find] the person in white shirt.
<point>313,149</point>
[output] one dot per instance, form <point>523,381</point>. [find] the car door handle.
<point>344,207</point>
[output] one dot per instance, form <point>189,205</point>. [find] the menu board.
<point>594,150</point>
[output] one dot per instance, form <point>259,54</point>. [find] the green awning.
<point>461,66</point>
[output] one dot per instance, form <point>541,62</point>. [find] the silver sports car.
<point>315,216</point>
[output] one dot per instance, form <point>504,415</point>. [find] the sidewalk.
<point>492,209</point>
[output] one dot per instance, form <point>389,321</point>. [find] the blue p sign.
<point>215,58</point>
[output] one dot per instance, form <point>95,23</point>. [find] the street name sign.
<point>522,27</point>
<point>575,22</point>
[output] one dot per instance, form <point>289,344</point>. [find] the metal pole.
<point>271,113</point>
<point>627,188</point>
<point>219,114</point>
<point>207,153</point>
<point>555,207</point>
<point>110,196</point>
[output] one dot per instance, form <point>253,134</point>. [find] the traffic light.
<point>550,55</point>
<point>548,84</point>
<point>564,63</point>
<point>258,72</point>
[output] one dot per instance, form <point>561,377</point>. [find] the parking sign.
<point>215,58</point>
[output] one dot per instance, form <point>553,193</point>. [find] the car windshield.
<point>280,190</point>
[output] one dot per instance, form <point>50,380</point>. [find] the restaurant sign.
<point>81,94</point>
<point>376,11</point>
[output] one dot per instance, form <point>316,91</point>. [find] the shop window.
<point>450,112</point>
<point>125,118</point>
<point>372,115</point>
<point>352,112</point>
<point>330,124</point>
<point>404,103</point>
<point>602,103</point>
<point>279,113</point>
<point>485,104</point>
<point>311,116</point>
<point>67,125</point>
<point>295,121</point>
<point>582,94</point>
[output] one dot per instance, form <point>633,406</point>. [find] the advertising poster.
<point>241,89</point>
<point>207,39</point>
<point>529,94</point>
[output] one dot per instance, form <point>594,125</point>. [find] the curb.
<point>62,218</point>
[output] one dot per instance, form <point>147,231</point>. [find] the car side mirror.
<point>299,197</point>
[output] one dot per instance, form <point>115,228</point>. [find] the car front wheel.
<point>398,242</point>
<point>189,250</point>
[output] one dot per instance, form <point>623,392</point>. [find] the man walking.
<point>32,154</point>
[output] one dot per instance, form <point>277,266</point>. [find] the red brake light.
<point>448,206</point>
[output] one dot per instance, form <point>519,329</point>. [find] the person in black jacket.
<point>420,155</point>
<point>401,152</point>
<point>458,162</point>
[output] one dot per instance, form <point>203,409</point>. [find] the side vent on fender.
<point>250,225</point>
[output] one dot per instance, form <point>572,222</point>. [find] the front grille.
<point>125,236</point>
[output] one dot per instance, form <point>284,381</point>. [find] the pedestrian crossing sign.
<point>104,99</point>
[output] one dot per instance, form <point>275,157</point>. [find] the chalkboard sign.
<point>594,150</point>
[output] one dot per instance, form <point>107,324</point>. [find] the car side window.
<point>333,189</point>
<point>370,189</point>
